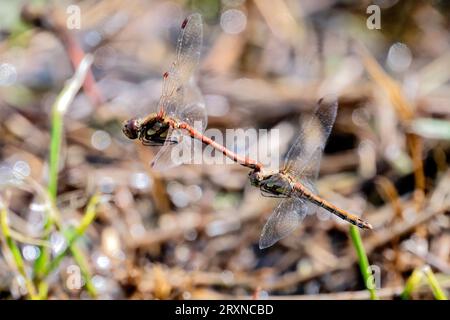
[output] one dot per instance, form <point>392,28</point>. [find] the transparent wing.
<point>194,114</point>
<point>181,97</point>
<point>193,111</point>
<point>186,60</point>
<point>175,151</point>
<point>284,219</point>
<point>310,171</point>
<point>322,213</point>
<point>303,159</point>
<point>172,97</point>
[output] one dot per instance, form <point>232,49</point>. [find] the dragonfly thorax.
<point>271,181</point>
<point>155,129</point>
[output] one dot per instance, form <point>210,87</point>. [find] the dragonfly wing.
<point>172,96</point>
<point>189,46</point>
<point>308,174</point>
<point>175,151</point>
<point>193,112</point>
<point>305,154</point>
<point>283,221</point>
<point>322,213</point>
<point>187,57</point>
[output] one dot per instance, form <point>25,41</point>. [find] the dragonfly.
<point>294,182</point>
<point>181,111</point>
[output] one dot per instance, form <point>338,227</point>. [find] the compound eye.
<point>131,128</point>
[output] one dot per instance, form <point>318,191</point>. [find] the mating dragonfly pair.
<point>181,105</point>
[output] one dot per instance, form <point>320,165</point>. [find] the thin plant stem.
<point>363,262</point>
<point>59,109</point>
<point>434,284</point>
<point>412,283</point>
<point>417,277</point>
<point>15,252</point>
<point>81,260</point>
<point>73,235</point>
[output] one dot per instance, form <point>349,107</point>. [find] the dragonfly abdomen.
<point>305,193</point>
<point>247,162</point>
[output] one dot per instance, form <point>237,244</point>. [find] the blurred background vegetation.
<point>83,215</point>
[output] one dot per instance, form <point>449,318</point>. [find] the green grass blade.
<point>412,283</point>
<point>434,284</point>
<point>416,279</point>
<point>15,252</point>
<point>84,269</point>
<point>72,235</point>
<point>363,261</point>
<point>59,109</point>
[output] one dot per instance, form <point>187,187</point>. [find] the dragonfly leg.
<point>171,141</point>
<point>157,142</point>
<point>152,143</point>
<point>271,195</point>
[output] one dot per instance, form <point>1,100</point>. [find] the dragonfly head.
<point>257,177</point>
<point>131,128</point>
